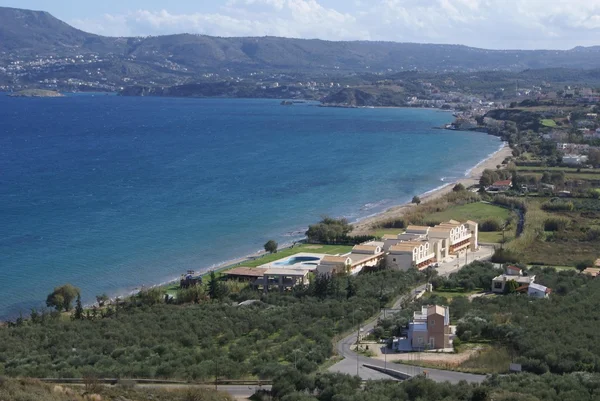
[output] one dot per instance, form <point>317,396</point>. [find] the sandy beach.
<point>366,225</point>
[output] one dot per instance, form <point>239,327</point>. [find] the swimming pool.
<point>298,259</point>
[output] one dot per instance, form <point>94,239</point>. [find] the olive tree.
<point>271,246</point>
<point>62,297</point>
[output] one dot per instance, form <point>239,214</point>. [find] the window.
<point>394,259</point>
<point>432,322</point>
<point>497,284</point>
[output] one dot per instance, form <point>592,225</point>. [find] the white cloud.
<point>482,23</point>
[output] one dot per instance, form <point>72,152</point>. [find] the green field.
<point>560,268</point>
<point>563,248</point>
<point>472,211</point>
<point>547,122</point>
<point>496,237</point>
<point>479,212</point>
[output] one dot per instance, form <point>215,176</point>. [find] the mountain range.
<point>26,34</point>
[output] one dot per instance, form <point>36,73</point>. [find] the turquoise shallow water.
<point>111,193</point>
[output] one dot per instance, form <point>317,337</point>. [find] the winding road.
<point>353,362</point>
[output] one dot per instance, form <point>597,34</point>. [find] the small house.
<point>538,291</point>
<point>514,271</point>
<point>500,186</point>
<point>499,282</point>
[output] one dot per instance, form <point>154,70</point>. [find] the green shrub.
<point>490,225</point>
<point>504,256</point>
<point>126,383</point>
<point>555,224</point>
<point>593,234</point>
<point>558,206</point>
<point>394,223</point>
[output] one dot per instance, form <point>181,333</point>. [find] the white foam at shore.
<point>502,146</point>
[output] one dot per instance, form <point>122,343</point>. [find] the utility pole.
<point>385,348</point>
<point>217,374</point>
<point>357,343</point>
<point>357,348</point>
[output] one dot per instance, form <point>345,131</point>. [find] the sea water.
<point>113,193</point>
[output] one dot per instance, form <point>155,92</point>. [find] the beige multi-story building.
<point>417,254</point>
<point>421,246</point>
<point>361,256</point>
<point>455,236</point>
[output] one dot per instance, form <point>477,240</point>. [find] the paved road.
<point>456,263</point>
<point>352,360</point>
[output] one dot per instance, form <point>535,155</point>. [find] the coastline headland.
<point>35,93</point>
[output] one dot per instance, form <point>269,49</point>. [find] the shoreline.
<point>472,177</point>
<point>364,224</point>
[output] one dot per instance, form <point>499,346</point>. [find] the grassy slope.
<point>533,245</point>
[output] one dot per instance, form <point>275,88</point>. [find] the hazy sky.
<point>526,24</point>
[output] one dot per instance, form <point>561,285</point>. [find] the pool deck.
<point>299,265</point>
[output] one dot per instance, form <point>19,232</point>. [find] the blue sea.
<point>113,193</point>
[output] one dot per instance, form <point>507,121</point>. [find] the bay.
<point>111,193</point>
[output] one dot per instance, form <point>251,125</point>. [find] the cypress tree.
<point>78,315</point>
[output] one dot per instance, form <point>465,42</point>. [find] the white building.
<point>574,160</point>
<point>538,291</point>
